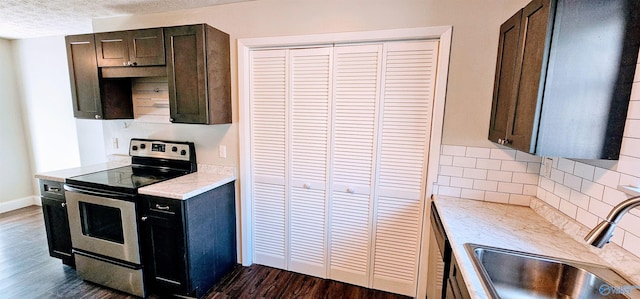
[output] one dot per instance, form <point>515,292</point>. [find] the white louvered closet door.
<point>356,78</point>
<point>268,93</point>
<point>409,70</point>
<point>310,100</point>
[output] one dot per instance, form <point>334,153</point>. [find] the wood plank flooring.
<point>27,271</point>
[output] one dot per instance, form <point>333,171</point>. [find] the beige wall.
<point>15,180</point>
<point>475,39</point>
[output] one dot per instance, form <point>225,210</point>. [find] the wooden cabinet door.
<point>56,222</point>
<point>112,48</point>
<point>146,47</point>
<point>83,74</point>
<point>505,73</point>
<point>530,74</point>
<point>186,71</point>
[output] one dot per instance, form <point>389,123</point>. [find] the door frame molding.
<point>441,33</point>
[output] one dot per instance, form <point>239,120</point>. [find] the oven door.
<point>103,224</point>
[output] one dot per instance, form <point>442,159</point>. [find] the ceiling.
<point>37,18</point>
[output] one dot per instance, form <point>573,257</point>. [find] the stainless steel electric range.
<point>103,212</point>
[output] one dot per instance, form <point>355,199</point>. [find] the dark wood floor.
<point>27,271</point>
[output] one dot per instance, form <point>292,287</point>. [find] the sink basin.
<point>513,274</point>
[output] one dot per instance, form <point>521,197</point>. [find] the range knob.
<point>174,149</point>
<point>142,146</point>
<point>183,152</point>
<point>135,147</point>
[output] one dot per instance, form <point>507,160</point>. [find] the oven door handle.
<point>98,193</point>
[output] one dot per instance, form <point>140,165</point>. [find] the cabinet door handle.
<point>164,208</point>
<point>54,189</point>
<point>351,190</point>
<point>64,204</point>
<point>98,116</point>
<point>306,186</point>
<point>144,218</point>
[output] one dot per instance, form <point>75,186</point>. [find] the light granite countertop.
<point>207,177</point>
<point>516,228</point>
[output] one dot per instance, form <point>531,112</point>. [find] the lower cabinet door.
<point>165,260</point>
<point>57,227</point>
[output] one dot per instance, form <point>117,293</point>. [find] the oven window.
<point>101,222</point>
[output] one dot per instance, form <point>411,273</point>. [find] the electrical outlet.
<point>222,151</point>
<point>547,164</point>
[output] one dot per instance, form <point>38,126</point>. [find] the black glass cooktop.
<point>124,179</point>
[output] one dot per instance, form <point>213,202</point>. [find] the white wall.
<point>15,181</point>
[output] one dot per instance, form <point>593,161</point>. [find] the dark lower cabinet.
<point>188,245</point>
<point>456,287</point>
<point>54,209</point>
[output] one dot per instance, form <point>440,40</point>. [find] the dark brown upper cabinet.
<point>563,77</point>
<point>94,97</point>
<point>199,74</point>
<point>144,47</point>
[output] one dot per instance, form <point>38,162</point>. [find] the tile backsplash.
<point>583,192</point>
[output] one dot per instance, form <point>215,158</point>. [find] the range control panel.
<point>161,149</point>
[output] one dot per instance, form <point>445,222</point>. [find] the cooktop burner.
<point>152,161</point>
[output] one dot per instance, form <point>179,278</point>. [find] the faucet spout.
<point>602,233</point>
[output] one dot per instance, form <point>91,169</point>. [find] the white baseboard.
<point>19,203</point>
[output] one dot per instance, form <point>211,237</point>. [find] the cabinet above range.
<point>194,58</point>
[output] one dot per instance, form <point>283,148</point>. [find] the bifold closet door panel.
<point>356,78</point>
<point>309,101</point>
<point>268,93</point>
<point>409,70</point>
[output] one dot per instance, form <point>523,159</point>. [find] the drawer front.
<point>162,207</point>
<point>52,189</point>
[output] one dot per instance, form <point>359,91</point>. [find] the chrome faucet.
<point>602,233</point>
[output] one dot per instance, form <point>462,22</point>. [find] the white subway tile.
<point>632,128</point>
<point>553,200</point>
<point>635,92</point>
<point>449,191</point>
<point>541,194</point>
<point>587,219</point>
<point>464,162</point>
<point>547,184</point>
<point>488,164</point>
<point>563,191</point>
<point>472,194</point>
<point>592,189</point>
<point>478,152</point>
<point>519,200</point>
<point>454,150</point>
<point>606,177</point>
<point>629,165</point>
<point>461,183</point>
<point>525,178</point>
<point>634,109</point>
<point>554,162</point>
<point>533,168</point>
<point>572,182</point>
<point>510,187</point>
<point>485,185</point>
<point>566,165</point>
<point>515,166</point>
<point>630,223</point>
<point>618,236</point>
<point>613,196</point>
<point>471,173</point>
<point>501,176</point>
<point>629,180</point>
<point>631,243</point>
<point>503,154</point>
<point>557,176</point>
<point>568,208</point>
<point>599,208</point>
<point>435,189</point>
<point>531,190</point>
<point>584,171</point>
<point>444,180</point>
<point>496,197</point>
<point>446,160</point>
<point>451,171</point>
<point>636,78</point>
<point>579,199</point>
<point>526,157</point>
<point>630,147</point>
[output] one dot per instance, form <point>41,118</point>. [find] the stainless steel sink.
<point>513,274</point>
